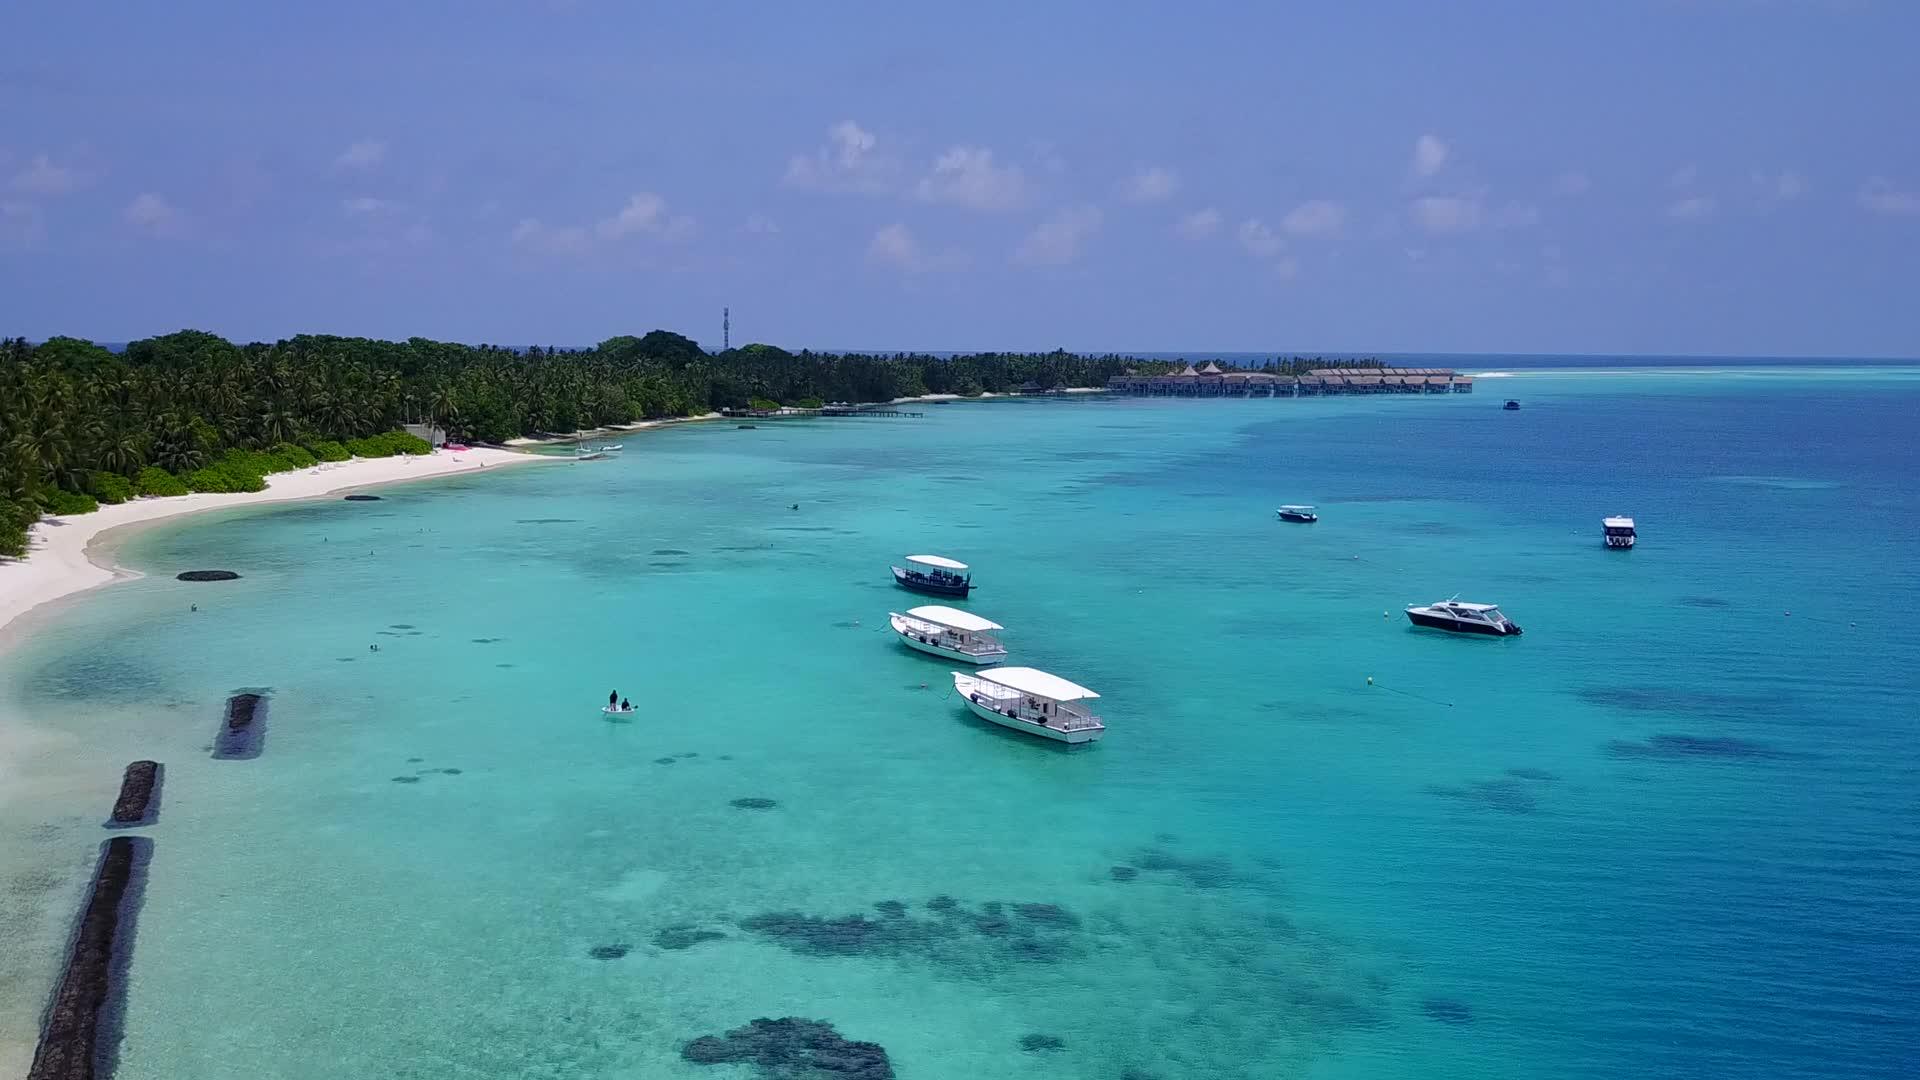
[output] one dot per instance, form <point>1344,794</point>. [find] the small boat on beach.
<point>934,574</point>
<point>1618,532</point>
<point>1031,701</point>
<point>1511,405</point>
<point>949,633</point>
<point>1305,515</point>
<point>1463,618</point>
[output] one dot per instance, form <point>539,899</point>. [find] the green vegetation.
<point>154,480</point>
<point>193,411</point>
<point>109,488</point>
<point>57,501</point>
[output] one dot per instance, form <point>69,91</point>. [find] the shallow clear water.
<point>1671,831</point>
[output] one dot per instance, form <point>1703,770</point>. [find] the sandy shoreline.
<point>69,555</point>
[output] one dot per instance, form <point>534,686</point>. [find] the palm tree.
<point>123,451</point>
<point>444,410</point>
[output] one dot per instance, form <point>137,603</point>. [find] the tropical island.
<point>190,412</point>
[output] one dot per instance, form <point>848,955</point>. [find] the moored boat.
<point>1618,532</point>
<point>1463,618</point>
<point>934,574</point>
<point>1031,701</point>
<point>1306,515</point>
<point>1511,405</point>
<point>950,633</point>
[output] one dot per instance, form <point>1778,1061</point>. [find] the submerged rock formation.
<point>139,802</point>
<point>244,733</point>
<point>207,575</point>
<point>362,498</point>
<point>78,1039</point>
<point>793,1048</point>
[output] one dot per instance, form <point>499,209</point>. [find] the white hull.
<point>929,644</point>
<point>1005,721</point>
<point>933,649</point>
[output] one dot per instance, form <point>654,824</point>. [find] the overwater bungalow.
<point>1212,380</point>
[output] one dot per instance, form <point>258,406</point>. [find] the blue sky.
<point>1641,176</point>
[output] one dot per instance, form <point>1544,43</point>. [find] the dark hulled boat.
<point>934,575</point>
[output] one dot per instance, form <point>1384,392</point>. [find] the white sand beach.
<point>58,563</point>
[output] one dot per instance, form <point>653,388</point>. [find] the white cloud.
<point>43,177</point>
<point>967,176</point>
<point>1881,197</point>
<point>153,215</point>
<point>365,204</point>
<point>1572,182</point>
<point>1057,241</point>
<point>362,155</point>
<point>1313,217</point>
<point>1516,215</point>
<point>645,214</point>
<point>1200,224</point>
<point>1153,184</point>
<point>1259,239</point>
<point>1694,208</point>
<point>536,236</point>
<point>21,226</point>
<point>849,161</point>
<point>1779,187</point>
<point>1429,155</point>
<point>1447,213</point>
<point>760,225</point>
<point>894,245</point>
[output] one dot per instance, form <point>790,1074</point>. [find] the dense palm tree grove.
<point>79,422</point>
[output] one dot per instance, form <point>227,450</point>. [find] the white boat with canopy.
<point>950,633</point>
<point>1029,700</point>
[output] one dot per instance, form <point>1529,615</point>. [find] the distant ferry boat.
<point>1618,531</point>
<point>1031,701</point>
<point>1511,405</point>
<point>934,574</point>
<point>950,633</point>
<point>1303,514</point>
<point>1463,618</point>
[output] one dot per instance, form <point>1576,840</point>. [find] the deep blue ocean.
<point>1672,831</point>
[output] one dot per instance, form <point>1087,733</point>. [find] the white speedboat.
<point>1463,618</point>
<point>950,633</point>
<point>1618,531</point>
<point>1305,515</point>
<point>611,448</point>
<point>1032,701</point>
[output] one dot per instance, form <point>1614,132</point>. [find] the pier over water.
<point>1212,381</point>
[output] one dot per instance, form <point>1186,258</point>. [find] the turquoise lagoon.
<point>1672,831</point>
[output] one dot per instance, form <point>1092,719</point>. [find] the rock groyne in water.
<point>243,734</point>
<point>79,1038</point>
<point>207,575</point>
<point>139,802</point>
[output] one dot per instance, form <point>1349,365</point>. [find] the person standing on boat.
<point>613,698</point>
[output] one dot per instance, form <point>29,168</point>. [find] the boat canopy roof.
<point>1036,682</point>
<point>1297,506</point>
<point>1464,606</point>
<point>937,560</point>
<point>954,617</point>
<point>1617,522</point>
